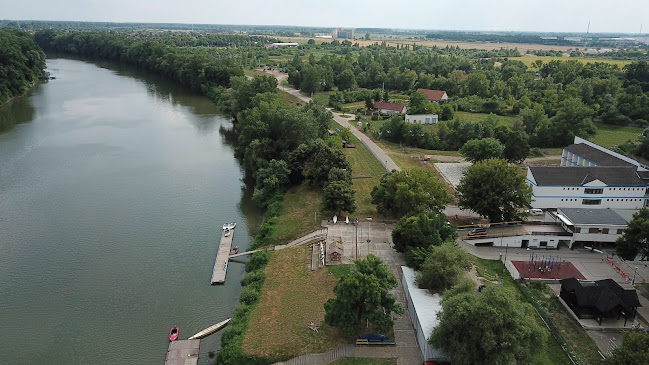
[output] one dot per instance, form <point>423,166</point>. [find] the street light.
<point>634,273</point>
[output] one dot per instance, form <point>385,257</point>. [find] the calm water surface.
<point>112,197</point>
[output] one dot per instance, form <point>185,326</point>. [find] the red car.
<point>478,232</point>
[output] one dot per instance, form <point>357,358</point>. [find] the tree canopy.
<point>495,190</point>
<point>443,267</point>
<point>422,230</point>
<point>409,191</point>
<point>633,351</point>
<point>482,149</point>
<point>635,238</point>
<point>488,327</point>
<point>361,296</point>
<point>21,63</point>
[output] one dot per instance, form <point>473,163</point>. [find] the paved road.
<point>380,155</point>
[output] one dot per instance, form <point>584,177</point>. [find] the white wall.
<point>421,118</point>
<point>611,236</point>
<point>545,197</point>
<point>517,241</point>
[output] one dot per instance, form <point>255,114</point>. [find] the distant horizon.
<point>637,34</point>
<point>549,16</point>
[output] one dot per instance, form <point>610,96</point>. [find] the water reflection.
<point>16,111</point>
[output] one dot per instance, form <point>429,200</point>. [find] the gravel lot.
<point>453,172</point>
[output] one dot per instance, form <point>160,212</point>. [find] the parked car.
<point>478,232</point>
<point>534,211</point>
<point>374,337</point>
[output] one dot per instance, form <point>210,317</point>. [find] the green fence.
<point>556,333</point>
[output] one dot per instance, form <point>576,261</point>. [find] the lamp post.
<point>634,274</point>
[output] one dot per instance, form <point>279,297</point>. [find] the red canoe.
<point>173,334</point>
<point>234,251</point>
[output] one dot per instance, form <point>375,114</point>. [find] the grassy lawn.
<point>290,98</point>
<point>507,120</point>
<point>365,361</point>
<point>608,135</point>
<point>529,60</point>
<point>322,97</point>
<point>552,352</point>
<point>584,346</point>
<point>367,171</point>
<point>297,218</point>
<point>291,298</point>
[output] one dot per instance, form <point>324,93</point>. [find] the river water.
<point>112,196</point>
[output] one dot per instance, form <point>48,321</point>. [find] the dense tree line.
<point>195,68</point>
<point>21,63</point>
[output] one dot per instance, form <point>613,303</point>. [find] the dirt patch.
<point>543,161</point>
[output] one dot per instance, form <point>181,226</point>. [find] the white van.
<point>535,211</point>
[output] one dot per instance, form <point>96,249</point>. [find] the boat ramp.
<point>183,352</point>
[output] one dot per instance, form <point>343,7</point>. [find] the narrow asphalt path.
<point>380,155</point>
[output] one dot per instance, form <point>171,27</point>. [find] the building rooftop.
<point>592,216</point>
<point>434,95</point>
<point>596,156</point>
<point>388,106</point>
<point>579,176</point>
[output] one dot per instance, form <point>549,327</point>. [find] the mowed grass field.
<point>366,174</point>
<point>291,298</point>
<point>609,135</point>
<point>301,214</point>
<point>529,60</point>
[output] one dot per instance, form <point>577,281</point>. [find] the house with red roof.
<point>389,108</point>
<point>434,96</point>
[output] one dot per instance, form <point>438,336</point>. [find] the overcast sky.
<point>623,16</point>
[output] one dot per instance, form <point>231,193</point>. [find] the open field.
<point>609,135</point>
<point>367,171</point>
<point>291,298</point>
<point>506,120</point>
<point>528,60</point>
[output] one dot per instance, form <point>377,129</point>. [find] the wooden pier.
<point>222,257</point>
<point>210,330</point>
<point>183,352</point>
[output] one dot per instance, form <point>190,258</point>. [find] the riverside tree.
<point>362,296</point>
<point>635,238</point>
<point>495,190</point>
<point>633,351</point>
<point>490,327</point>
<point>409,191</point>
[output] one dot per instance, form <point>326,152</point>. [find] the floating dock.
<point>183,352</point>
<point>222,257</point>
<point>210,330</point>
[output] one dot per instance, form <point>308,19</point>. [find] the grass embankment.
<point>367,172</point>
<point>583,346</point>
<point>291,298</point>
<point>551,353</point>
<point>297,216</point>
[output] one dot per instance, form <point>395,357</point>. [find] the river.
<point>113,192</point>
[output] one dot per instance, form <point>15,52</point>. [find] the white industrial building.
<point>593,187</point>
<point>590,226</point>
<point>422,309</point>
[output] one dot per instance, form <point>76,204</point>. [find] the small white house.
<point>421,118</point>
<point>389,108</point>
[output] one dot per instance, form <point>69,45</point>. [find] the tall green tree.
<point>517,147</point>
<point>482,149</point>
<point>363,295</point>
<point>495,190</point>
<point>491,327</point>
<point>409,191</point>
<point>635,238</point>
<point>633,351</point>
<point>443,267</point>
<point>422,230</point>
<point>419,104</point>
<point>338,196</point>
